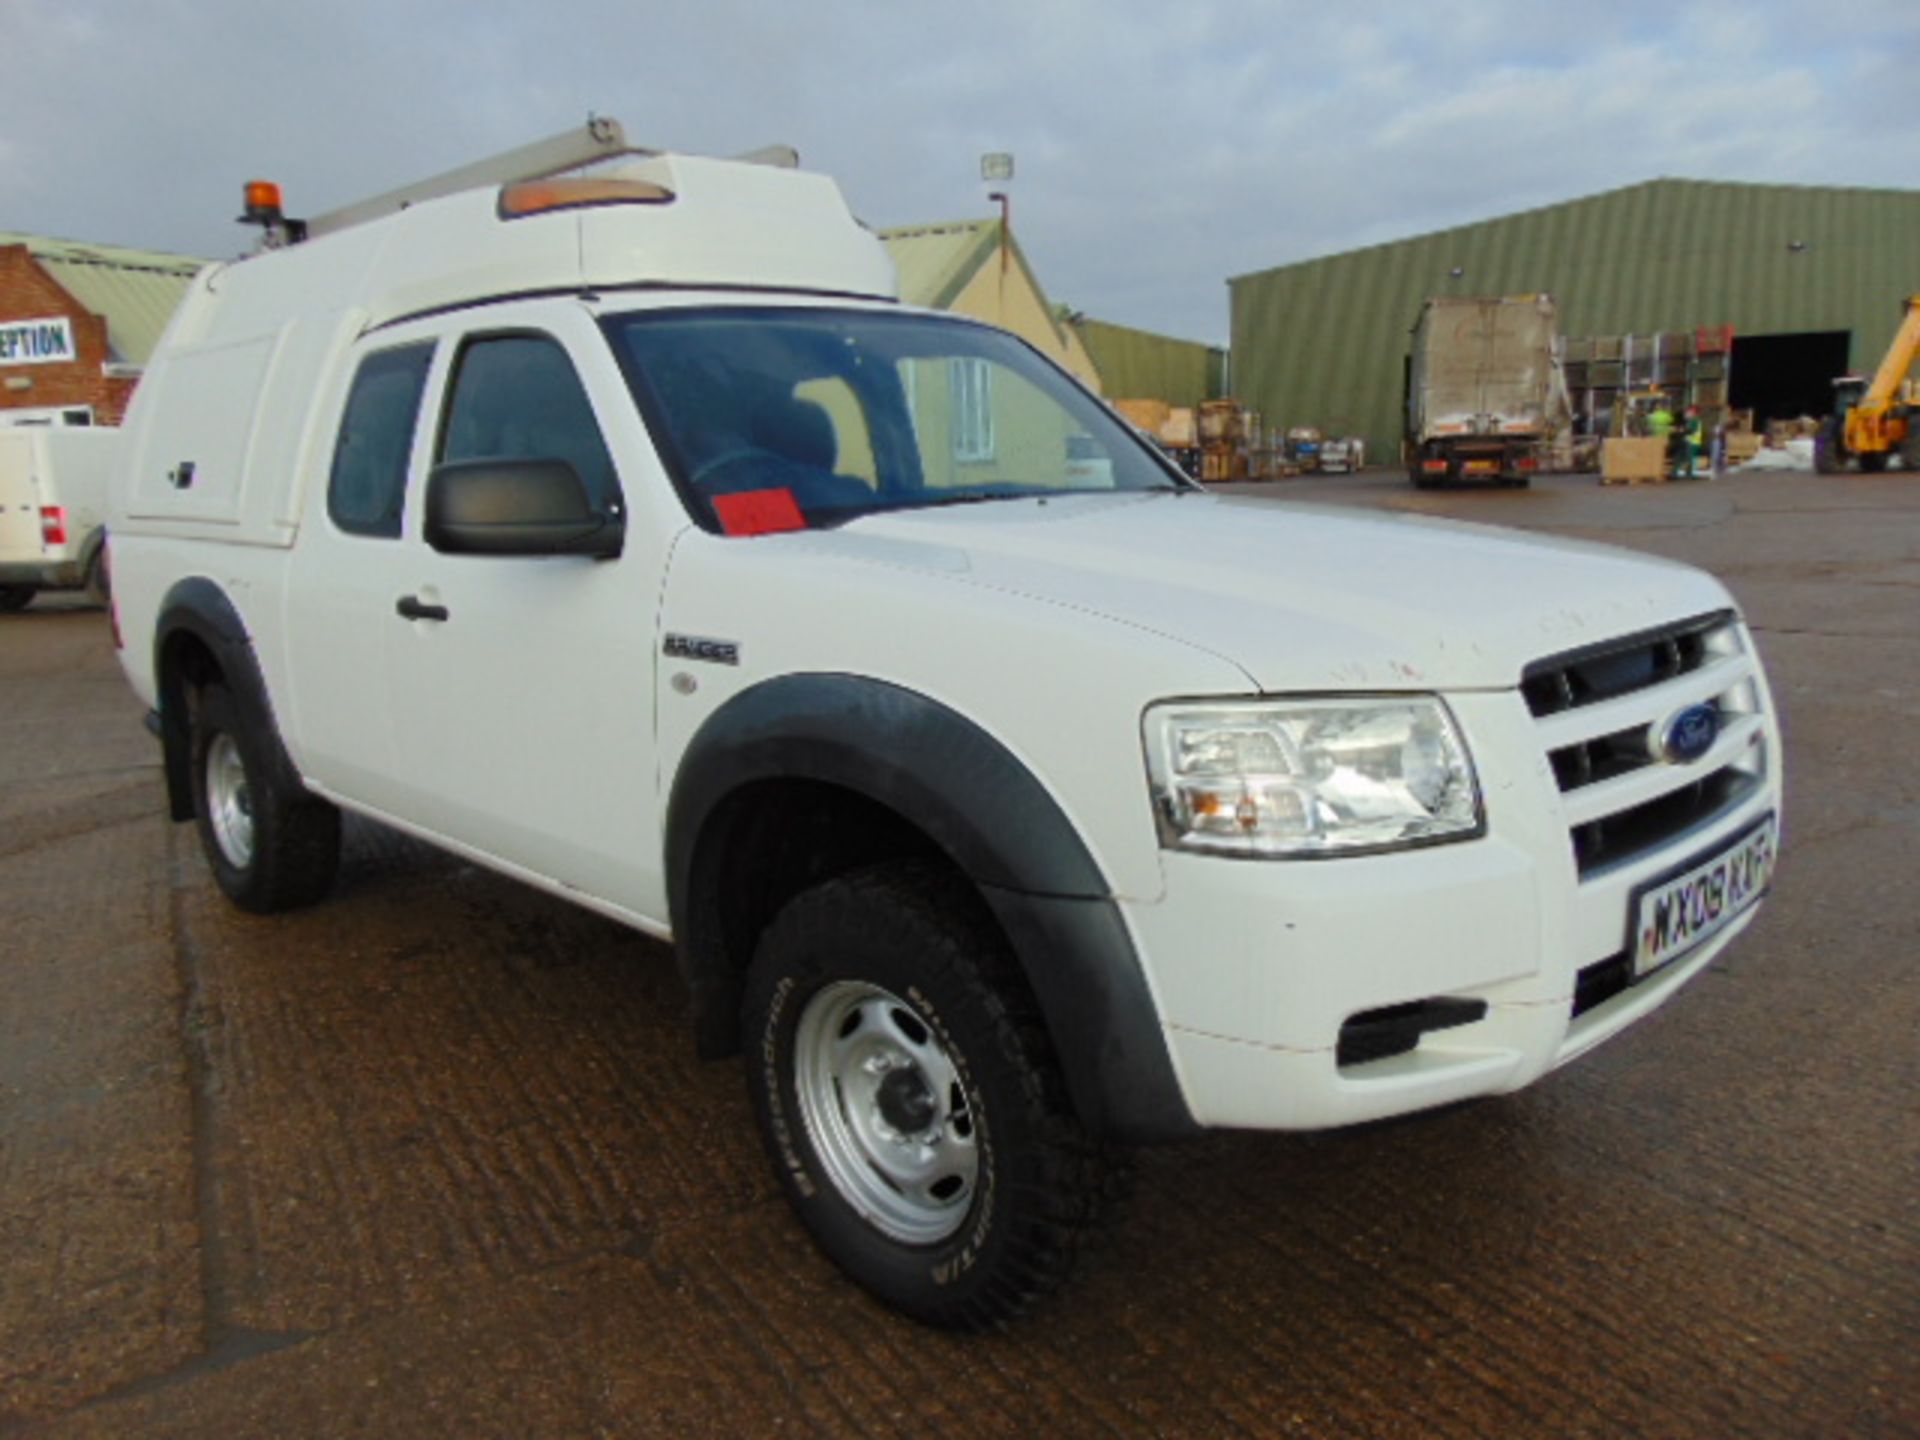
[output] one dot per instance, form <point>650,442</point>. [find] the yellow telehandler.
<point>1873,420</point>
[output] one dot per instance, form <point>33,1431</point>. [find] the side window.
<point>369,479</point>
<point>516,397</point>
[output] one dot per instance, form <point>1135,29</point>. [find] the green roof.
<point>135,290</point>
<point>1142,365</point>
<point>936,261</point>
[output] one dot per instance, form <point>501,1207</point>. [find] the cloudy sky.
<point>1160,148</point>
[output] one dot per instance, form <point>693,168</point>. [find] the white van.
<point>53,510</point>
<point>1005,795</point>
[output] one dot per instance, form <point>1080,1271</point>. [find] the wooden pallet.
<point>1633,460</point>
<point>1637,479</point>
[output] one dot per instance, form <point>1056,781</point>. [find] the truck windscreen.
<point>783,418</point>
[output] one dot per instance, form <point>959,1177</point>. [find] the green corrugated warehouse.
<point>1813,281</point>
<point>1141,365</point>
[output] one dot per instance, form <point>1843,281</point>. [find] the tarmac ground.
<point>435,1157</point>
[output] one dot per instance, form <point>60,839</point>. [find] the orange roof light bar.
<point>537,197</point>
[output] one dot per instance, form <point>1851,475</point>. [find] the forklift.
<point>1873,420</point>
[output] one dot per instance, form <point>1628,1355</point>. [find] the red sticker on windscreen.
<point>758,512</point>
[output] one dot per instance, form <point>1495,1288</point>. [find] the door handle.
<point>409,607</point>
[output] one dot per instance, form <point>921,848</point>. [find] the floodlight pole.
<point>1006,227</point>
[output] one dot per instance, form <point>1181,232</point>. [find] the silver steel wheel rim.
<point>883,1103</point>
<point>230,801</point>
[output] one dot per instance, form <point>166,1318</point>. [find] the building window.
<point>971,384</point>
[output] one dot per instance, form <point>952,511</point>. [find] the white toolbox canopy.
<point>522,225</point>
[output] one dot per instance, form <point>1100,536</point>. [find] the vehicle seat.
<point>796,430</point>
<point>783,443</point>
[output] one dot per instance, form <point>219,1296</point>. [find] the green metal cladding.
<point>1324,342</point>
<point>1140,365</point>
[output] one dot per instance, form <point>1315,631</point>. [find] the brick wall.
<point>27,292</point>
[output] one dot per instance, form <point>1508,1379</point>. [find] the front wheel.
<point>1874,461</point>
<point>910,1101</point>
<point>271,845</point>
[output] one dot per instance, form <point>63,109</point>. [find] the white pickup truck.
<point>1005,795</point>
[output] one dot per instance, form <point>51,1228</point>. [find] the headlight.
<point>1310,777</point>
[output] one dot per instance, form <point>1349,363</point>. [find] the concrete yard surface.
<point>435,1157</point>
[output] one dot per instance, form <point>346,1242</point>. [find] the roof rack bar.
<point>781,157</point>
<point>599,138</point>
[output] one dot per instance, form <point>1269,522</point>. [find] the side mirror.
<point>517,507</point>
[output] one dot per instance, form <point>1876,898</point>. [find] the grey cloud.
<point>1160,149</point>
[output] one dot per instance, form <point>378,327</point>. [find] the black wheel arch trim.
<point>981,806</point>
<point>91,546</point>
<point>198,607</point>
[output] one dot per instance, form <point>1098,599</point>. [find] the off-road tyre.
<point>1910,447</point>
<point>1872,462</point>
<point>15,597</point>
<point>914,934</point>
<point>270,844</point>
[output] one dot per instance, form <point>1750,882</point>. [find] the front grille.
<point>1588,762</point>
<point>1629,834</point>
<point>1619,667</point>
<point>1599,709</point>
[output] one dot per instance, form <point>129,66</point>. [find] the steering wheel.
<point>713,464</point>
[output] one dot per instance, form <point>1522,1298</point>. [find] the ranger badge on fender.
<point>695,647</point>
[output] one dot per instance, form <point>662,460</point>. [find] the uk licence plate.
<point>1480,467</point>
<point>1677,914</point>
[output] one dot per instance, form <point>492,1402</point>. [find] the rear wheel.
<point>271,845</point>
<point>1910,447</point>
<point>909,1098</point>
<point>1873,461</point>
<point>15,597</point>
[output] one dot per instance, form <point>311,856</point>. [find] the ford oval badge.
<point>1688,735</point>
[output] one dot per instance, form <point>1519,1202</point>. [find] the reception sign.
<point>36,342</point>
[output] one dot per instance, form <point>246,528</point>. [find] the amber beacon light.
<point>262,203</point>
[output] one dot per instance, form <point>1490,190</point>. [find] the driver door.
<point>521,690</point>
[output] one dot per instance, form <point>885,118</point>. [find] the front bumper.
<point>1257,965</point>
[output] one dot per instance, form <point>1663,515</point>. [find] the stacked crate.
<point>1229,441</point>
<point>1689,367</point>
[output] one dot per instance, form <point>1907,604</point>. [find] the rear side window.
<point>369,481</point>
<point>516,397</point>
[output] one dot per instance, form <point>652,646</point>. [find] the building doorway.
<point>1782,377</point>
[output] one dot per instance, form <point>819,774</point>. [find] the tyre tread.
<point>1061,1187</point>
<point>296,834</point>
